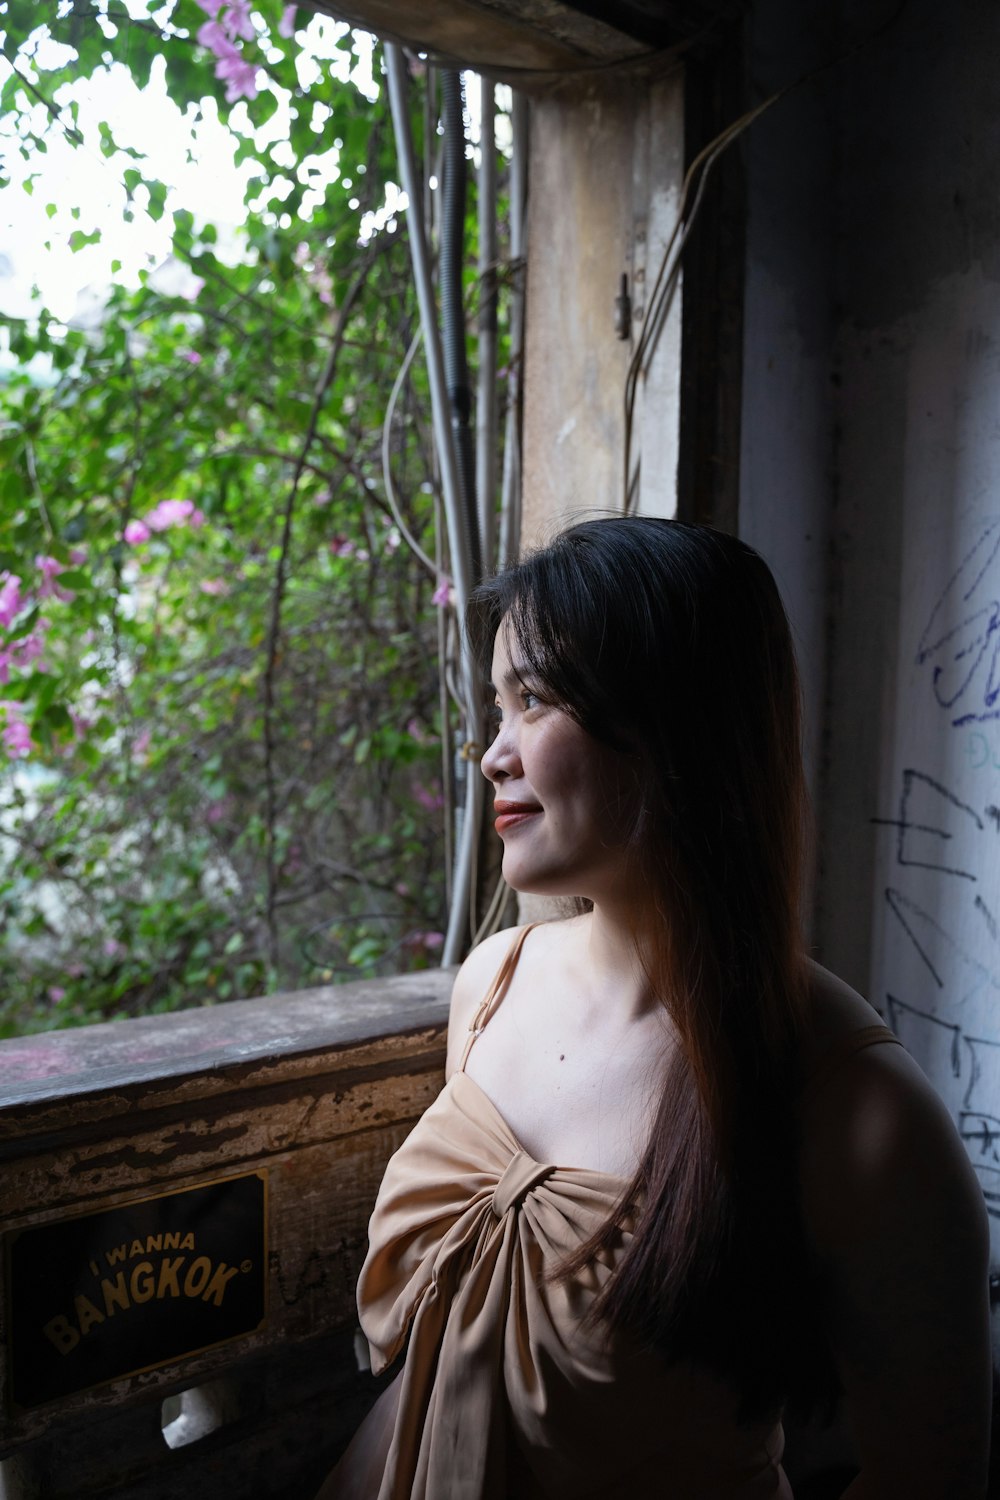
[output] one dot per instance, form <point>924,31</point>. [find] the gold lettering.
<point>187,1243</point>
<point>216,1287</point>
<point>143,1283</point>
<point>197,1276</point>
<point>87,1314</point>
<point>168,1276</point>
<point>154,1242</point>
<point>116,1254</point>
<point>171,1241</point>
<point>60,1332</point>
<point>137,1248</point>
<point>115,1294</point>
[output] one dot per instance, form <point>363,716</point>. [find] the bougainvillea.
<point>219,699</point>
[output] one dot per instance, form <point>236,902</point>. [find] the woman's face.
<point>565,802</point>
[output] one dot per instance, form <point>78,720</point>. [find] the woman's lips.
<point>509,814</point>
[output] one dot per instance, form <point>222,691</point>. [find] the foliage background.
<point>220,705</point>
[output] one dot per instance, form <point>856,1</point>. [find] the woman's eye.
<point>529,699</point>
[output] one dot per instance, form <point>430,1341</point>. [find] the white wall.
<point>871,480</point>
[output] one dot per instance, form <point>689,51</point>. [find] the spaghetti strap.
<point>856,1041</point>
<point>491,1000</point>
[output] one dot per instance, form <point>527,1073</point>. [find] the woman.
<point>679,1176</point>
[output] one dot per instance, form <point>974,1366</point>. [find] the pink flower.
<point>78,556</point>
<point>444,594</point>
<point>174,513</point>
<point>210,7</point>
<point>417,732</point>
<point>286,26</point>
<point>16,735</point>
<point>428,940</point>
<point>214,586</point>
<point>111,946</point>
<point>239,76</point>
<point>323,498</point>
<point>236,20</point>
<point>11,599</point>
<point>50,570</point>
<point>56,993</point>
<point>135,533</point>
<point>341,546</point>
<point>141,743</point>
<point>28,649</point>
<point>323,284</point>
<point>6,659</point>
<point>429,798</point>
<point>216,811</point>
<point>191,355</point>
<point>392,539</point>
<point>212,36</point>
<point>191,288</point>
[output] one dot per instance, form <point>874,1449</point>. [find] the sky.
<point>79,188</point>
<point>194,158</point>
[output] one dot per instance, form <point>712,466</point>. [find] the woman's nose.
<point>499,760</point>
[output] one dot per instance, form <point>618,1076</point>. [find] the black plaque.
<point>104,1295</point>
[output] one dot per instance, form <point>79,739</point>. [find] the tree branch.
<point>277,599</point>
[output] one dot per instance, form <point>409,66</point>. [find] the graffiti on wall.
<point>942,895</point>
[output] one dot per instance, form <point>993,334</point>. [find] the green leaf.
<point>78,239</point>
<point>157,198</point>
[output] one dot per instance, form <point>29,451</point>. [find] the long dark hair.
<point>669,642</point>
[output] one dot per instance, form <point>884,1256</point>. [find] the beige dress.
<point>506,1393</point>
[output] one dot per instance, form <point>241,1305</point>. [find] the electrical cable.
<point>390,489</point>
<point>669,269</point>
<point>493,912</point>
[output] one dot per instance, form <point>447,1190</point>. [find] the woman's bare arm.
<point>899,1228</point>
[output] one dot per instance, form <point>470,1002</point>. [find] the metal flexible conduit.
<point>486,354</point>
<point>462,548</point>
<point>456,361</point>
<point>510,485</point>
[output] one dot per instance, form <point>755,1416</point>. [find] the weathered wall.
<point>299,1099</point>
<point>916,532</point>
<point>606,167</point>
<point>871,463</point>
<point>787,428</point>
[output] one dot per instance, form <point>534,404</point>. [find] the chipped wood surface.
<point>316,1089</point>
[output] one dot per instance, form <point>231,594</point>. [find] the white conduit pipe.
<point>456,521</point>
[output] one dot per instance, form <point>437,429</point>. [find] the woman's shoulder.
<point>472,982</point>
<point>897,1226</point>
<point>550,944</point>
<point>849,1060</point>
<point>872,1126</point>
<point>834,1013</point>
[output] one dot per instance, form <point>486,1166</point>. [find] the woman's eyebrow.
<point>513,677</point>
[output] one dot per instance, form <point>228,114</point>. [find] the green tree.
<point>221,709</point>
